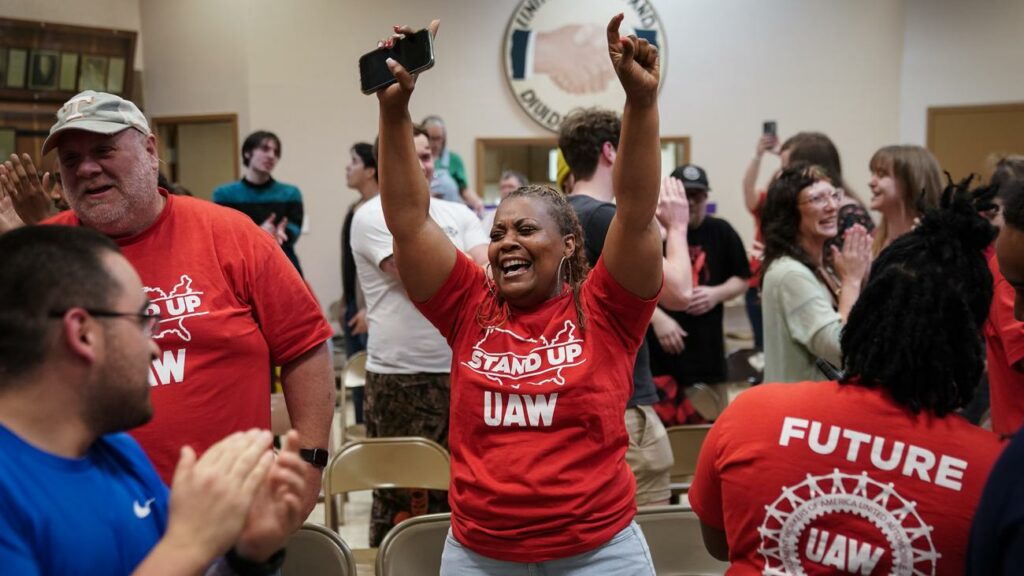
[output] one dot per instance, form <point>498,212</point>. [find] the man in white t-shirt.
<point>408,361</point>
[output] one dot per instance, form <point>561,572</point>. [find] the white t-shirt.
<point>400,339</point>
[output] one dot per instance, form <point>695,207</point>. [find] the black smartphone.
<point>770,128</point>
<point>415,52</point>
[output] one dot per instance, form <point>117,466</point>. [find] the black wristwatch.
<point>315,456</point>
<point>244,567</point>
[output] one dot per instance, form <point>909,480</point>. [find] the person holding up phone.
<point>538,469</point>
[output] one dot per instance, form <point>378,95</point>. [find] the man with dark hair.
<point>720,273</point>
<point>875,473</point>
<point>997,537</point>
<point>589,139</point>
<point>408,361</point>
<point>77,495</point>
<point>275,206</point>
<point>230,302</point>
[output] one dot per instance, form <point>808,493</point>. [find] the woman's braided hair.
<point>915,329</point>
<point>494,312</point>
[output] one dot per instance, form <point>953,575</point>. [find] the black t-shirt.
<point>595,216</point>
<point>716,254</point>
<point>997,534</point>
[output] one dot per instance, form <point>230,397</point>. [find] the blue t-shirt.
<point>100,514</point>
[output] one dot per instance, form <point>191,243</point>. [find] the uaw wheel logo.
<point>556,56</point>
<point>792,539</point>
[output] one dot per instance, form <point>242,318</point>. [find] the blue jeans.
<point>626,554</point>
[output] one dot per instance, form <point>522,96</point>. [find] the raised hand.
<point>636,64</point>
<point>854,260</point>
<point>9,219</point>
<point>30,196</point>
<point>397,95</point>
<point>673,207</point>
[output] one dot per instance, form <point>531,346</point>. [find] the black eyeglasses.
<point>147,321</point>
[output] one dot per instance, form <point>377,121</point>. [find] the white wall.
<point>862,71</point>
<point>959,53</point>
<point>290,67</point>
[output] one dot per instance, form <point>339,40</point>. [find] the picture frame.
<point>92,75</point>
<point>115,75</point>
<point>68,71</point>
<point>44,71</point>
<point>17,62</point>
<point>3,66</point>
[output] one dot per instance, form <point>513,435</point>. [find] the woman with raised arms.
<point>542,350</point>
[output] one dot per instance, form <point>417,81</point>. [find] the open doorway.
<point>199,152</point>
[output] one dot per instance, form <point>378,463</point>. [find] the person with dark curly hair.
<point>997,537</point>
<point>874,473</point>
<point>542,348</point>
<point>804,303</point>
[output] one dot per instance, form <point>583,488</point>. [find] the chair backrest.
<point>414,546</point>
<point>401,462</point>
<point>354,373</point>
<point>686,442</point>
<point>677,546</point>
<point>317,551</point>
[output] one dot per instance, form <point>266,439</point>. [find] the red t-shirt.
<point>822,478</point>
<point>231,304</point>
<point>537,432</point>
<point>1004,339</point>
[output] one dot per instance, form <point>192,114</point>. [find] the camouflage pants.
<point>406,405</point>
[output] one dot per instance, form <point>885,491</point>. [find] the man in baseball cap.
<point>720,268</point>
<point>230,302</point>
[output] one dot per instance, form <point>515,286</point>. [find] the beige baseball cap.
<point>96,112</point>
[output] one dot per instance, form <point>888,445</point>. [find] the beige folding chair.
<point>414,546</point>
<point>402,462</point>
<point>353,375</point>
<point>686,442</point>
<point>677,546</point>
<point>316,551</point>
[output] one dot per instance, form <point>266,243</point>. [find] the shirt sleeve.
<point>371,238</point>
<point>473,233</point>
<point>296,214</point>
<point>458,298</point>
<point>285,308</point>
<point>16,554</point>
<point>1010,331</point>
<point>458,170</point>
<point>705,493</point>
<point>739,265</point>
<point>627,313</point>
<point>809,315</point>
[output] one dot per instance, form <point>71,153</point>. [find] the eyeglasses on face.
<point>148,322</point>
<point>819,200</point>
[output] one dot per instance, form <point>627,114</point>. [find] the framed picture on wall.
<point>3,67</point>
<point>17,60</point>
<point>68,71</point>
<point>44,71</point>
<point>93,73</point>
<point>115,76</point>
<point>6,142</point>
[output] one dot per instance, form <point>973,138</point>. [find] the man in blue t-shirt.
<point>77,495</point>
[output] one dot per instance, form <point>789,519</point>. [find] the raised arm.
<point>423,253</point>
<point>750,195</point>
<point>632,249</point>
<point>674,216</point>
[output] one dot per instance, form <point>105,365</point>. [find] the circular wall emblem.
<point>556,55</point>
